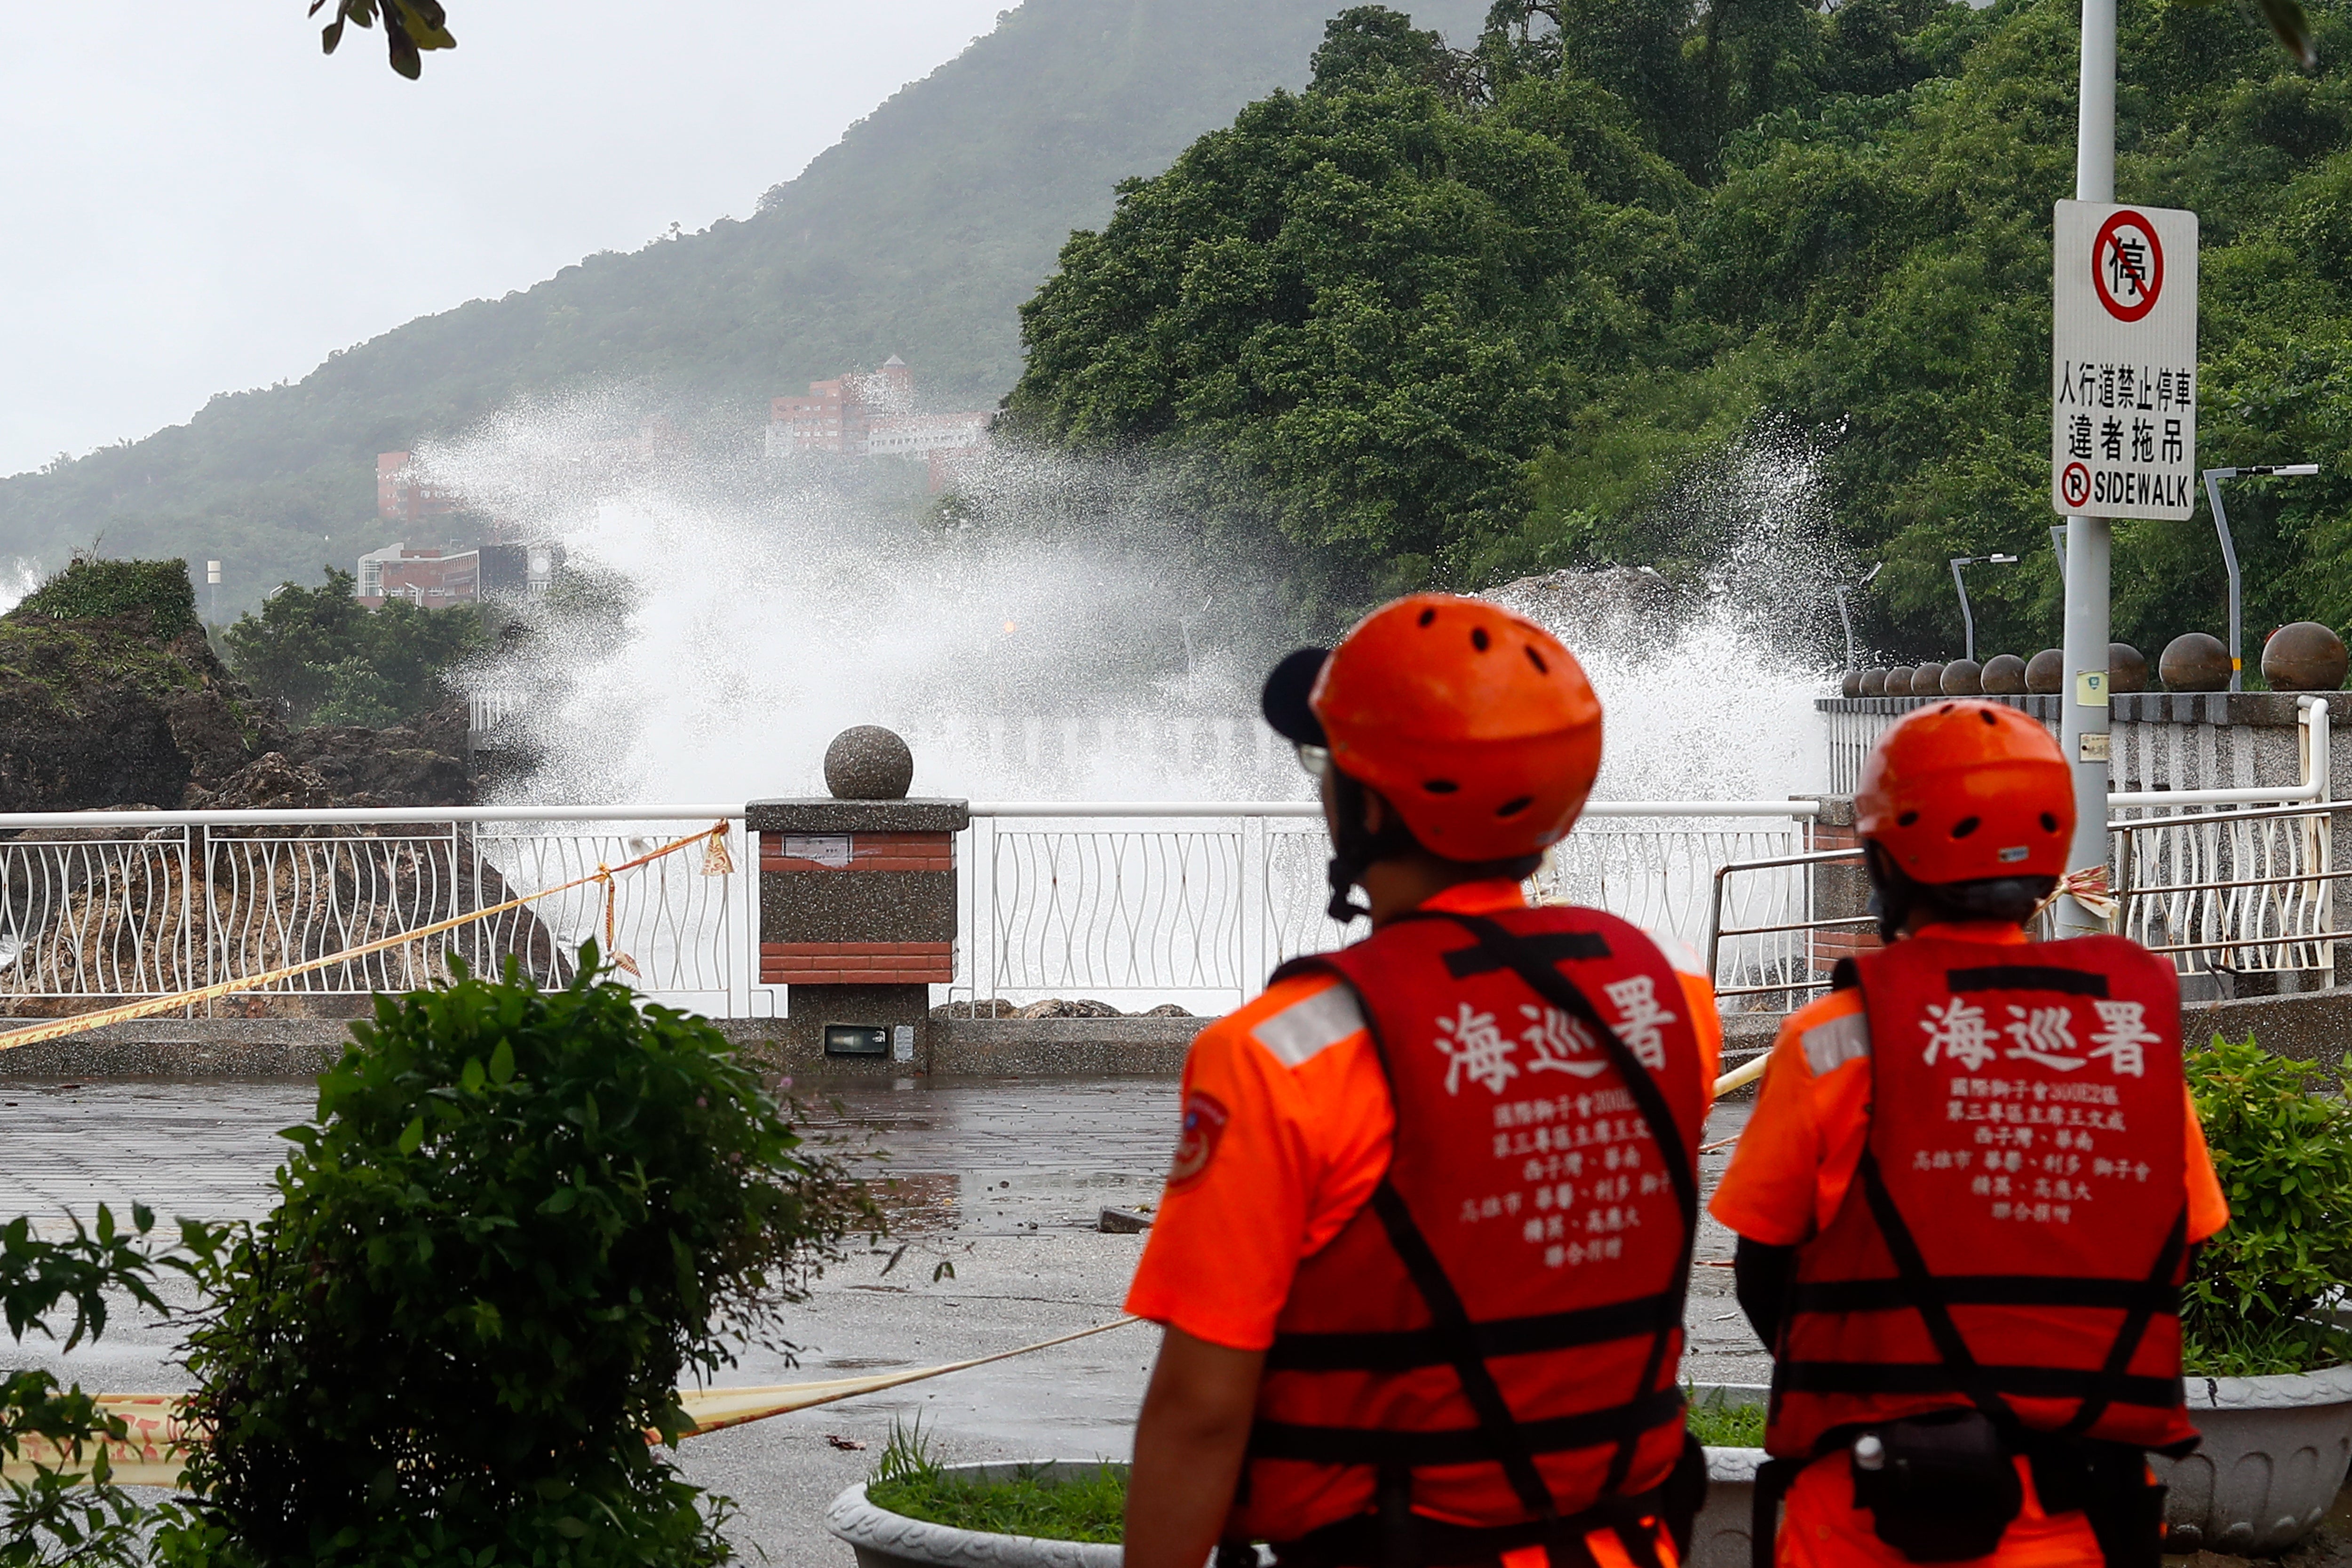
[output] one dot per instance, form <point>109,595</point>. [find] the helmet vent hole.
<point>1440,786</point>
<point>1513,806</point>
<point>2049,821</point>
<point>1907,819</point>
<point>1985,714</point>
<point>1426,617</point>
<point>1967,825</point>
<point>1479,639</point>
<point>1537,659</point>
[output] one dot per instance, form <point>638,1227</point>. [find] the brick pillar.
<point>858,915</point>
<point>1839,887</point>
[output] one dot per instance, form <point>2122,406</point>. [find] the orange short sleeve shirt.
<point>1286,1129</point>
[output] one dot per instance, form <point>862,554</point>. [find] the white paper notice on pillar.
<point>2123,382</point>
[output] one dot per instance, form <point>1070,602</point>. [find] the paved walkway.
<point>1003,1180</point>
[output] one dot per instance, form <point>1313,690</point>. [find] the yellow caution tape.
<point>81,1023</point>
<point>155,1450</point>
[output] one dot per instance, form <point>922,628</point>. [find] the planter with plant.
<point>519,1217</point>
<point>919,1512</point>
<point>2269,1371</point>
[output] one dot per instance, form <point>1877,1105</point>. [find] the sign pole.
<point>2082,726</point>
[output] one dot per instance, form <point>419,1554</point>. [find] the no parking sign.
<point>2122,391</point>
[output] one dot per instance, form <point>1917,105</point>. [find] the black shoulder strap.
<point>2133,1329</point>
<point>1927,1300</point>
<point>1533,965</point>
<point>1452,1321</point>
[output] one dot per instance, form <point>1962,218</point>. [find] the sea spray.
<point>1053,630</point>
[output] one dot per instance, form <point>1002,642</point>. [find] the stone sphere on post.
<point>1874,682</point>
<point>1928,680</point>
<point>2004,676</point>
<point>867,762</point>
<point>1963,677</point>
<point>2194,662</point>
<point>2304,657</point>
<point>1898,681</point>
<point>1850,684</point>
<point>2045,673</point>
<point>2127,667</point>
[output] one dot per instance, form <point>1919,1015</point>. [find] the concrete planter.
<point>885,1540</point>
<point>2274,1456</point>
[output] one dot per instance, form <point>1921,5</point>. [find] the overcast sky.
<point>197,201</point>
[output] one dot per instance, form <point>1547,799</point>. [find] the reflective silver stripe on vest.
<point>1304,1029</point>
<point>1833,1044</point>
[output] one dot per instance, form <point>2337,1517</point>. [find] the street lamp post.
<point>2213,478</point>
<point>1845,616</point>
<point>1967,617</point>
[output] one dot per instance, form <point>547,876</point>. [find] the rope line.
<point>81,1023</point>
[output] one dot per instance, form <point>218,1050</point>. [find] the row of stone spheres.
<point>2304,657</point>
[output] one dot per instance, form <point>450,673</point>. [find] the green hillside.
<point>920,233</point>
<point>1448,319</point>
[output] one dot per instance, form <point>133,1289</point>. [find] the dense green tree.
<point>1817,236</point>
<point>332,660</point>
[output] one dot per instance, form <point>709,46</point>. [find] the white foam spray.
<point>1052,639</point>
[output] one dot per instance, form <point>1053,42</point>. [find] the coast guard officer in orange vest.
<point>1423,1252</point>
<point>1966,1193</point>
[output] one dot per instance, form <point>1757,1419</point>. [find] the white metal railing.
<point>1195,902</point>
<point>103,906</point>
<point>2219,880</point>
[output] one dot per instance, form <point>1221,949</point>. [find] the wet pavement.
<point>1003,1179</point>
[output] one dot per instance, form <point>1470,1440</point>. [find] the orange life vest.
<point>2014,1238</point>
<point>1497,1333</point>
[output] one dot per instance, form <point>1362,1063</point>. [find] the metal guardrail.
<point>104,907</point>
<point>2267,908</point>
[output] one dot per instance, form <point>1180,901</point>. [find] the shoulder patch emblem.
<point>1306,1029</point>
<point>1831,1046</point>
<point>1205,1123</point>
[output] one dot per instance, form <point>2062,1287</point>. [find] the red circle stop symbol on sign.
<point>2128,266</point>
<point>2075,484</point>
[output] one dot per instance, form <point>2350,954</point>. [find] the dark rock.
<point>1963,677</point>
<point>270,783</point>
<point>1850,684</point>
<point>1165,1010</point>
<point>1055,1007</point>
<point>1874,682</point>
<point>2304,657</point>
<point>1928,680</point>
<point>2046,672</point>
<point>994,1008</point>
<point>2004,676</point>
<point>2194,662</point>
<point>867,762</point>
<point>1123,1221</point>
<point>2127,667</point>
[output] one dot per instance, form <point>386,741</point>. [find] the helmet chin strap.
<point>1354,849</point>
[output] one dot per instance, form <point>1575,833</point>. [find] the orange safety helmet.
<point>1473,723</point>
<point>1965,791</point>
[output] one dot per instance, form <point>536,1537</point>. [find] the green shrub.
<point>2280,1134</point>
<point>70,1511</point>
<point>517,1218</point>
<point>93,590</point>
<point>910,1480</point>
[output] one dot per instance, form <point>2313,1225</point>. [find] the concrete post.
<point>857,904</point>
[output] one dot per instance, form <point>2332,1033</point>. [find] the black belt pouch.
<point>1947,1490</point>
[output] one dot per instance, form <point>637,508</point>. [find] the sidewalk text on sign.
<point>2123,391</point>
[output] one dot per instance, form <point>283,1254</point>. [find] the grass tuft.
<point>1718,1423</point>
<point>909,1479</point>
